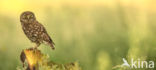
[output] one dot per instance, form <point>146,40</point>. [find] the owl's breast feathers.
<point>37,33</point>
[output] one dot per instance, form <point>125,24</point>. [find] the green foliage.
<point>34,59</point>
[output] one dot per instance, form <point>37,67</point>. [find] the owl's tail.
<point>52,46</point>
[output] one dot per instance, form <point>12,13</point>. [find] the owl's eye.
<point>24,17</point>
<point>31,16</point>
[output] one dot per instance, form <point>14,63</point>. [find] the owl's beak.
<point>28,16</point>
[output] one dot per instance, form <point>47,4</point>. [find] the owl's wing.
<point>44,35</point>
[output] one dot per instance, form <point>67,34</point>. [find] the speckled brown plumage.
<point>34,30</point>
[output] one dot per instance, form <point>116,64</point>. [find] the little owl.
<point>34,30</point>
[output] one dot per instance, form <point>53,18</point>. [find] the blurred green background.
<point>97,34</point>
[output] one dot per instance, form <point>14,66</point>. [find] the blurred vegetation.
<point>33,59</point>
<point>97,34</point>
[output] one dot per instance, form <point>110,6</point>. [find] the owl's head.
<point>27,17</point>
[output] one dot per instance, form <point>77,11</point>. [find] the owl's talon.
<point>53,48</point>
<point>35,48</point>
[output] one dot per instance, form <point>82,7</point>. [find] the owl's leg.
<point>37,45</point>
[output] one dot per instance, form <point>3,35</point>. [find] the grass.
<point>34,59</point>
